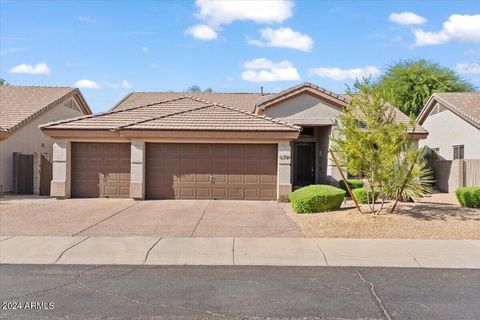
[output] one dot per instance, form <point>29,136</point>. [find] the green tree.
<point>194,88</point>
<point>410,83</point>
<point>369,138</point>
<point>3,82</point>
<point>372,144</point>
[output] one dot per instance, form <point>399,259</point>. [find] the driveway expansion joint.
<point>201,217</point>
<point>105,219</point>
<point>324,256</point>
<point>74,245</point>
<point>148,251</point>
<point>7,238</point>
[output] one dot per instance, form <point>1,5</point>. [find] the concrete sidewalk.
<point>241,251</point>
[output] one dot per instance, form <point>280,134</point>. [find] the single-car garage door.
<point>100,170</point>
<point>211,171</point>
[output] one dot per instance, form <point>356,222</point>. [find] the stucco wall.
<point>304,109</point>
<point>309,111</point>
<point>29,139</point>
<point>446,130</point>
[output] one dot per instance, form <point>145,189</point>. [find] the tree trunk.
<point>345,180</point>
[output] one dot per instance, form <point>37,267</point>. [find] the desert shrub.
<point>352,183</point>
<point>316,198</point>
<point>468,196</point>
<point>363,195</point>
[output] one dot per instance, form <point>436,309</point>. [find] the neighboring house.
<point>453,123</point>
<point>164,145</point>
<point>22,110</point>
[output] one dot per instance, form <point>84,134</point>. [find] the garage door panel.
<point>206,171</point>
<point>100,169</point>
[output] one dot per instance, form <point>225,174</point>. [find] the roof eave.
<point>197,134</point>
<point>4,135</point>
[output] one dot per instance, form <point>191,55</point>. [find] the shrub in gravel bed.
<point>316,198</point>
<point>352,183</point>
<point>468,196</point>
<point>363,195</point>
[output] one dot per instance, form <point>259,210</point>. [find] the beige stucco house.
<point>22,110</point>
<point>453,123</point>
<point>167,145</point>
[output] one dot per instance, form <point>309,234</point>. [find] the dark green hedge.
<point>362,195</point>
<point>316,198</point>
<point>352,183</point>
<point>468,196</point>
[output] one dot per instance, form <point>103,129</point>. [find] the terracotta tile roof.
<point>295,89</point>
<point>19,105</point>
<point>182,113</point>
<point>245,101</point>
<point>465,104</point>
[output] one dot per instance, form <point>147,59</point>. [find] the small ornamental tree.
<point>370,140</point>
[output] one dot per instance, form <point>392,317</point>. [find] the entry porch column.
<point>284,184</point>
<point>61,158</point>
<point>137,170</point>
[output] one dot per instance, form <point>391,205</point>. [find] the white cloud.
<point>145,49</point>
<point>39,68</point>
<point>284,38</point>
<point>220,12</point>
<point>345,74</point>
<point>87,84</point>
<point>406,18</point>
<point>229,78</point>
<point>263,63</point>
<point>85,19</point>
<point>462,28</point>
<point>215,13</point>
<point>467,67</point>
<point>154,65</point>
<point>202,32</point>
<point>123,84</point>
<point>264,70</point>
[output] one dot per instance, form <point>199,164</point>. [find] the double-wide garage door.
<point>211,171</point>
<point>100,170</point>
<point>178,171</point>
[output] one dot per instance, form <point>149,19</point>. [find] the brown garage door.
<point>100,170</point>
<point>211,171</point>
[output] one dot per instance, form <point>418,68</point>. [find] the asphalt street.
<point>201,292</point>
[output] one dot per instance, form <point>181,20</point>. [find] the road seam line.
<point>204,211</point>
<point>61,255</point>
<point>375,295</point>
<point>324,255</point>
<point>97,223</point>
<point>148,252</point>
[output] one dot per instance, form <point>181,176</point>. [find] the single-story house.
<point>170,145</point>
<point>453,123</point>
<point>22,110</point>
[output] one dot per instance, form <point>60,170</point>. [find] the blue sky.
<point>111,48</point>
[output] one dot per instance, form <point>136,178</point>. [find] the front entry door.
<point>304,164</point>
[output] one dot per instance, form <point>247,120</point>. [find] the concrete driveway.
<point>162,218</point>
